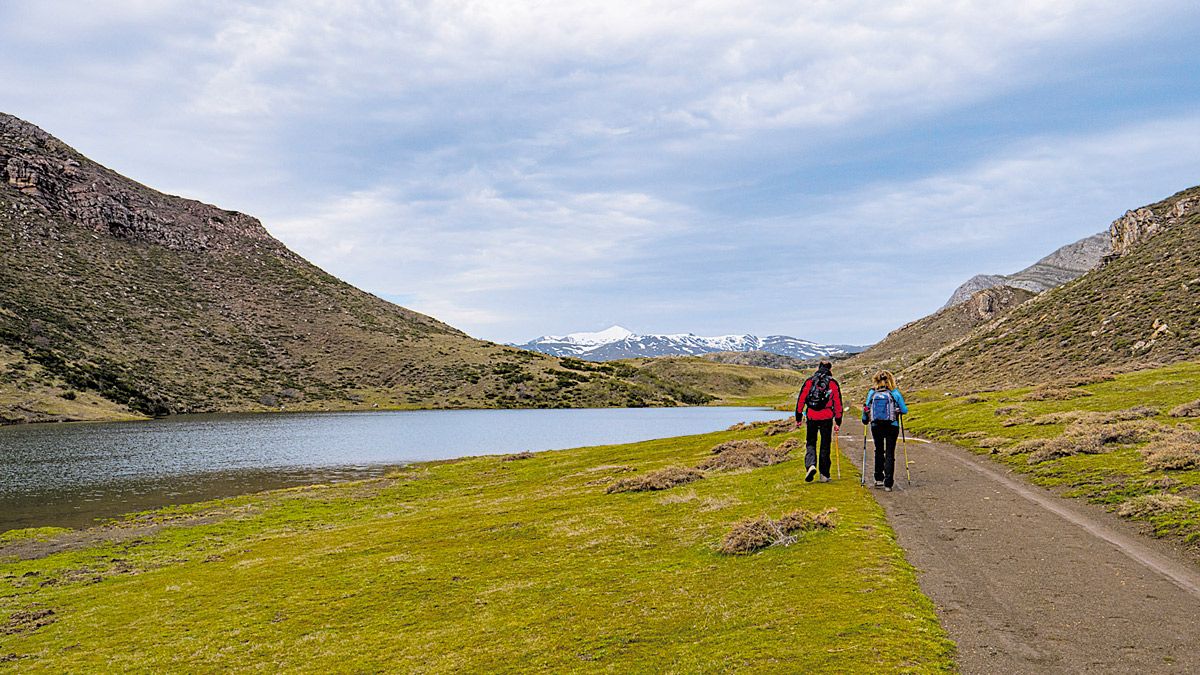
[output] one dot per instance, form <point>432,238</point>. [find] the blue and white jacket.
<point>900,405</point>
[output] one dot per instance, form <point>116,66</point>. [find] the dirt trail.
<point>1028,582</point>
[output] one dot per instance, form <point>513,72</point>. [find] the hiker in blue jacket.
<point>883,408</point>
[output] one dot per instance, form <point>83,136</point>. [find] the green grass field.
<point>1115,473</point>
<point>482,565</point>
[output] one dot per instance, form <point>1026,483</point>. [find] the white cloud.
<point>452,254</point>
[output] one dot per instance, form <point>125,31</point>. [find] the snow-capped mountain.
<point>620,343</point>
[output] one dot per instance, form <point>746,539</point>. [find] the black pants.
<point>885,435</point>
<point>825,429</point>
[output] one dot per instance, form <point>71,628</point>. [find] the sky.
<point>828,170</point>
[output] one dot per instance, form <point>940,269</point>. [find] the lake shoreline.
<point>72,474</point>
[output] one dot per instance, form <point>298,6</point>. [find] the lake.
<point>71,474</point>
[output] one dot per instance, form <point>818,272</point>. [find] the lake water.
<point>71,474</point>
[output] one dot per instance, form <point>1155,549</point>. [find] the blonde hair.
<point>885,380</point>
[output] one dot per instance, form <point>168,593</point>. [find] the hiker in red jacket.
<point>821,397</point>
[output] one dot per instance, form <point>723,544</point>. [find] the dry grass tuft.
<point>520,455</point>
<point>789,444</point>
<point>1055,394</point>
<point>737,445</point>
<point>1091,417</point>
<point>1148,506</point>
<point>1008,410</point>
<point>678,498</point>
<point>1162,483</point>
<point>1177,450</point>
<point>1186,410</point>
<point>744,455</point>
<point>972,435</point>
<point>1083,438</point>
<point>993,442</point>
<point>974,398</point>
<point>784,426</point>
<point>1031,445</point>
<point>1083,380</point>
<point>755,534</point>
<point>663,479</point>
<point>1017,420</point>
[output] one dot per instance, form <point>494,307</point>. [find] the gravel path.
<point>1028,582</point>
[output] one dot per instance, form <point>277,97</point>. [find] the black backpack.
<point>818,392</point>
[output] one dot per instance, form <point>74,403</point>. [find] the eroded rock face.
<point>1135,226</point>
<point>65,183</point>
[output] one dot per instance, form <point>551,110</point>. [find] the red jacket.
<point>832,411</point>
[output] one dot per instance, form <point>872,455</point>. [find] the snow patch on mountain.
<point>620,343</point>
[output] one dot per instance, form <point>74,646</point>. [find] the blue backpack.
<point>882,406</point>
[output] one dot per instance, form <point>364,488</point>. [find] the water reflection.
<point>71,474</point>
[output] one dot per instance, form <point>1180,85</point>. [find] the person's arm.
<point>837,402</point>
<point>803,396</point>
<point>866,404</point>
<point>900,401</point>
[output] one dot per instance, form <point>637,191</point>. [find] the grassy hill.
<point>479,565</point>
<point>914,342</point>
<point>1138,310</point>
<point>117,300</point>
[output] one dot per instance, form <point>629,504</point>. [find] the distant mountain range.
<point>620,343</point>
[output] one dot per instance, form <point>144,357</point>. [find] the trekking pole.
<point>864,464</point>
<point>837,452</point>
<point>907,474</point>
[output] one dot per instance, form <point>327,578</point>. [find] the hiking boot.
<point>812,471</point>
<point>878,483</point>
<point>887,489</point>
<point>824,479</point>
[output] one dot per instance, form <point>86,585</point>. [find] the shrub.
<point>520,455</point>
<point>663,479</point>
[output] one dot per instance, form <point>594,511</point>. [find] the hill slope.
<point>916,341</point>
<point>1141,308</point>
<point>115,298</point>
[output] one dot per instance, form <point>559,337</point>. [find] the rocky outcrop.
<point>62,182</point>
<point>1136,225</point>
<point>1065,264</point>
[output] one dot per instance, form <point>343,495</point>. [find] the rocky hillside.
<point>116,299</point>
<point>914,342</point>
<point>1067,263</point>
<point>1140,308</point>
